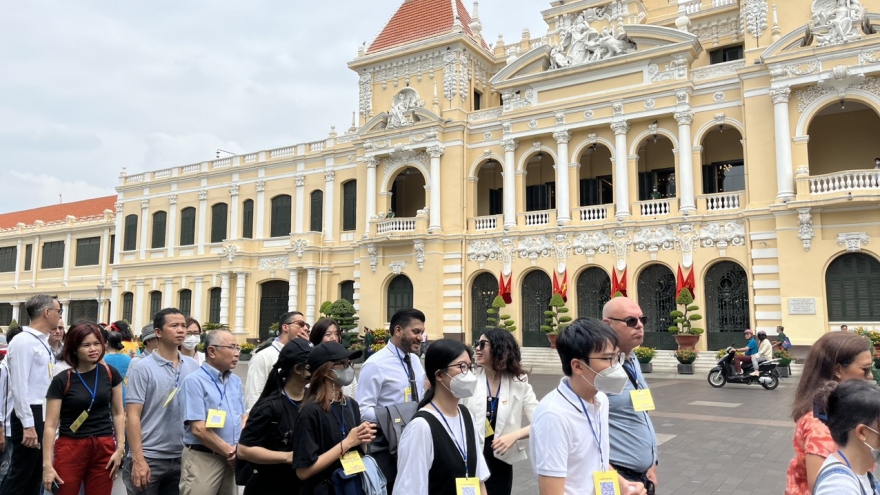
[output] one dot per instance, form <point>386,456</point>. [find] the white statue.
<point>404,101</point>
<point>836,21</point>
<point>580,43</point>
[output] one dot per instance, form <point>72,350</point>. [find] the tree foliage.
<point>557,317</point>
<point>683,320</point>
<point>496,320</point>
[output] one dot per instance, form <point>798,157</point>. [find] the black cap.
<point>330,351</point>
<point>293,353</point>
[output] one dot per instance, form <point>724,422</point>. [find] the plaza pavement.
<point>730,441</point>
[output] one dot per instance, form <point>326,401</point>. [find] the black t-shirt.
<point>270,425</point>
<point>77,399</point>
<point>316,432</point>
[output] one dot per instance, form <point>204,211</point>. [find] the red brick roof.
<point>54,213</point>
<point>418,20</point>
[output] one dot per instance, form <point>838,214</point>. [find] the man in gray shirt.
<point>154,425</point>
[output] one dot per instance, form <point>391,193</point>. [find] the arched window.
<point>82,310</point>
<point>346,290</point>
<point>214,305</point>
<point>184,302</point>
<point>280,216</point>
<point>218,222</point>
<point>155,302</point>
<point>657,299</point>
<point>247,219</point>
<point>536,293</point>
<point>593,291</point>
<point>727,304</point>
<point>127,306</point>
<point>131,233</point>
<point>316,212</point>
<point>158,230</point>
<point>483,292</point>
<point>349,206</point>
<point>188,226</point>
<point>852,287</point>
<point>274,302</point>
<point>400,295</point>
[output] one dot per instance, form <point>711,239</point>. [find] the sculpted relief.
<point>404,101</point>
<point>836,21</point>
<point>580,43</point>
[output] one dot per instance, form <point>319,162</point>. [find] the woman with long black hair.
<point>267,440</point>
<point>438,452</point>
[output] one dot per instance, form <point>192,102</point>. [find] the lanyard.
<point>403,365</point>
<point>222,393</point>
<point>589,420</point>
<point>493,401</point>
<point>94,392</point>
<point>340,419</point>
<point>850,468</point>
<point>294,404</point>
<point>48,350</point>
<point>631,373</point>
<point>462,451</point>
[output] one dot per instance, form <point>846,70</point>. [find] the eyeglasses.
<point>298,323</point>
<point>618,358</point>
<point>464,367</point>
<point>632,321</point>
<point>480,344</point>
<point>60,311</point>
<point>233,347</point>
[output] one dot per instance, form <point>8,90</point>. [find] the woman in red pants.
<point>86,402</point>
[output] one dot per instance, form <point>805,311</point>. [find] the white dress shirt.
<point>384,379</point>
<point>6,407</point>
<point>30,373</point>
<point>258,371</point>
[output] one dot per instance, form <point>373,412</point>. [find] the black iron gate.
<point>593,291</point>
<point>657,299</point>
<point>727,306</point>
<point>273,304</point>
<point>483,292</point>
<point>536,293</point>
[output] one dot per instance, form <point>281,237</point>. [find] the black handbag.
<point>393,419</point>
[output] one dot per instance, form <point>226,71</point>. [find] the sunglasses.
<point>632,321</point>
<point>480,344</point>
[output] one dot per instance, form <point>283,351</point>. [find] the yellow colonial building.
<point>732,138</point>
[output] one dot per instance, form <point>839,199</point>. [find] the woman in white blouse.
<point>503,395</point>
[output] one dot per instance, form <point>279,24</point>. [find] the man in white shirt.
<point>569,439</point>
<point>291,323</point>
<point>391,376</point>
<point>30,372</point>
<point>6,408</point>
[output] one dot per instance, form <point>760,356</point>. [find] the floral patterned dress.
<point>811,436</point>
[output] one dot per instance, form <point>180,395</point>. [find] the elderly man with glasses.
<point>291,325</point>
<point>633,441</point>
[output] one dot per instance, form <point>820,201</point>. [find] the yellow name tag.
<point>352,463</point>
<point>51,367</point>
<point>216,418</point>
<point>467,486</point>
<point>407,394</point>
<point>170,396</point>
<point>489,430</point>
<point>642,400</point>
<point>605,482</point>
<point>79,421</point>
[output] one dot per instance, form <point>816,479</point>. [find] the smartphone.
<point>55,488</point>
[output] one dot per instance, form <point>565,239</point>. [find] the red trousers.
<point>84,460</point>
<point>739,360</point>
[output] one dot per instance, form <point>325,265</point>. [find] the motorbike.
<point>725,372</point>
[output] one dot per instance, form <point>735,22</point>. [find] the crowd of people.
<point>85,407</point>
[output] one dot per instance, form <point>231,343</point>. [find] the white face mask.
<point>191,341</point>
<point>463,385</point>
<point>343,377</point>
<point>609,381</point>
<point>874,452</point>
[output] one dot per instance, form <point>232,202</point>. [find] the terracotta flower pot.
<point>687,341</point>
<point>552,339</point>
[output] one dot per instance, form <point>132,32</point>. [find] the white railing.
<point>537,218</point>
<point>723,3</point>
<point>845,181</point>
<point>161,174</point>
<point>190,169</point>
<point>486,223</point>
<point>225,162</point>
<point>283,152</point>
<point>396,225</point>
<point>592,213</point>
<point>135,178</point>
<point>654,207</point>
<point>316,146</point>
<point>722,201</point>
<point>250,158</point>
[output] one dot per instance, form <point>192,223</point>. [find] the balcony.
<point>849,184</point>
<point>540,218</point>
<point>729,201</point>
<point>587,214</point>
<point>658,207</point>
<point>485,223</point>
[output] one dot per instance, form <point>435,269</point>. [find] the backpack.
<point>840,468</point>
<point>67,386</point>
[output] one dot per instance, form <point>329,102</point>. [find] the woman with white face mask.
<point>853,418</point>
<point>438,453</point>
<point>192,340</point>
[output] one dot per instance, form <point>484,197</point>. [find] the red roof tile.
<point>54,213</point>
<point>418,20</point>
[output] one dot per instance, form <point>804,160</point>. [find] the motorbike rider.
<point>765,352</point>
<point>750,350</point>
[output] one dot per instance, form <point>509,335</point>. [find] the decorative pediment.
<point>406,113</point>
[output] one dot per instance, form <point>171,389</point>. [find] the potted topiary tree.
<point>557,319</point>
<point>502,321</point>
<point>645,355</point>
<point>686,335</point>
<point>343,313</point>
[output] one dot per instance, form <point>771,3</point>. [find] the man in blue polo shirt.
<point>751,348</point>
<point>213,415</point>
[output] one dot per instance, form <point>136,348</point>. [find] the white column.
<point>293,289</point>
<point>105,245</point>
<point>509,183</point>
<point>67,260</point>
<point>198,295</point>
<point>234,227</point>
<point>167,300</point>
<point>563,199</point>
<point>114,300</point>
<point>311,293</point>
<point>18,257</point>
<point>120,235</point>
<point>145,222</point>
<point>101,302</point>
<point>300,208</point>
<point>372,162</point>
<point>35,260</point>
<point>224,298</point>
<point>621,174</point>
<point>15,312</point>
<point>203,220</point>
<point>137,310</point>
<point>260,210</point>
<point>239,301</point>
<point>329,204</point>
<point>685,162</point>
<point>784,175</point>
<point>171,236</point>
<point>434,221</point>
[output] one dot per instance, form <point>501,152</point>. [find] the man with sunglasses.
<point>291,325</point>
<point>633,442</point>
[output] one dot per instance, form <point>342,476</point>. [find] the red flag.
<point>618,284</point>
<point>679,282</point>
<point>614,282</point>
<point>504,289</point>
<point>561,289</point>
<point>621,286</point>
<point>690,284</point>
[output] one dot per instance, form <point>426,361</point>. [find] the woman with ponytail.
<point>853,418</point>
<point>267,440</point>
<point>438,452</point>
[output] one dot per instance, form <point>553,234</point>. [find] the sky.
<point>91,86</point>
